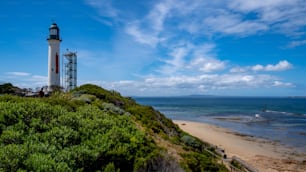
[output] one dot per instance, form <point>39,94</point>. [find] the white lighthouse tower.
<point>54,80</point>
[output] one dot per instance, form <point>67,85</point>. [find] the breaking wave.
<point>284,113</point>
<point>257,118</point>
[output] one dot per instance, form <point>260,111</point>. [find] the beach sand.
<point>263,155</point>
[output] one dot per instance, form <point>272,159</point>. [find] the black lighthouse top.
<point>54,32</point>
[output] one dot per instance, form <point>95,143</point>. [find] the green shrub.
<point>111,108</point>
<point>44,162</point>
<point>54,138</point>
<point>110,168</point>
<point>86,98</point>
<point>11,137</point>
<point>12,157</point>
<point>192,142</point>
<point>198,162</point>
<point>63,133</point>
<point>8,88</point>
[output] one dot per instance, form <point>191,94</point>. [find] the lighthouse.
<point>54,80</point>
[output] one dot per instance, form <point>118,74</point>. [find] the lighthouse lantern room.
<point>54,57</point>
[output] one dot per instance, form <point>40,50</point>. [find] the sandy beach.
<point>263,155</point>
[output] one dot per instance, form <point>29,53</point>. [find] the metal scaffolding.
<point>70,70</point>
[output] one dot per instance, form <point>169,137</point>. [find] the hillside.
<point>92,129</point>
<point>8,88</point>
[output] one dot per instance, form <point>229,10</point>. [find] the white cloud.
<point>239,69</point>
<point>177,61</point>
<point>282,84</point>
<point>179,30</point>
<point>236,17</point>
<point>233,24</point>
<point>241,18</point>
<point>147,30</point>
<point>207,64</point>
<point>140,35</point>
<point>172,85</point>
<point>253,5</point>
<point>158,14</point>
<point>296,43</point>
<point>280,15</point>
<point>104,7</point>
<point>191,58</point>
<point>25,79</point>
<point>108,13</point>
<point>258,68</point>
<point>184,85</point>
<point>18,73</point>
<point>203,50</point>
<point>204,60</point>
<point>280,66</point>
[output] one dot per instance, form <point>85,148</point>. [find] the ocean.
<point>277,119</point>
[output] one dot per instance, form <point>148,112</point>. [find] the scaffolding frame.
<point>70,67</point>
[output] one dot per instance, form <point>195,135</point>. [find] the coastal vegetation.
<point>8,88</point>
<point>93,129</point>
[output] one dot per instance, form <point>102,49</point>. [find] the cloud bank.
<point>184,34</point>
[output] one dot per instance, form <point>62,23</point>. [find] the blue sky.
<point>162,47</point>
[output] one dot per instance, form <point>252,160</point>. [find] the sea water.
<point>278,119</point>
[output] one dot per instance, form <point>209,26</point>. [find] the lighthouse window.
<point>53,31</point>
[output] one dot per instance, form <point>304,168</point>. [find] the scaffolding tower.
<point>70,70</point>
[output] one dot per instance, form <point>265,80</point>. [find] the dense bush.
<point>37,136</point>
<point>92,129</point>
<point>154,121</point>
<point>198,162</point>
<point>102,94</point>
<point>8,88</point>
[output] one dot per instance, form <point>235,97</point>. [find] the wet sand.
<point>263,155</point>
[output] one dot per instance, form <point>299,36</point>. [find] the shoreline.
<point>262,154</point>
